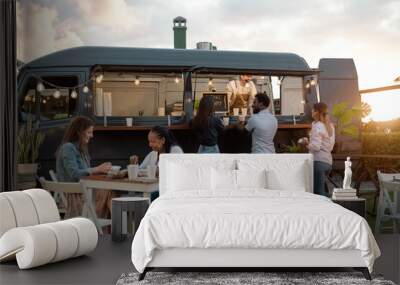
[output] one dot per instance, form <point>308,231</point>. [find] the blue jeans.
<point>154,195</point>
<point>208,149</point>
<point>321,169</point>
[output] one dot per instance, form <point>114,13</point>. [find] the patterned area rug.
<point>243,278</point>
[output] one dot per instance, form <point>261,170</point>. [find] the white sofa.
<point>241,210</point>
<point>31,230</point>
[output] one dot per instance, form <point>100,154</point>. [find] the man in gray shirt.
<point>262,125</point>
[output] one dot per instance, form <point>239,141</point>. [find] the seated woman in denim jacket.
<point>161,140</point>
<point>73,163</point>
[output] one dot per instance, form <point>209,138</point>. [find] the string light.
<point>40,87</point>
<point>74,94</point>
<point>279,82</point>
<point>313,82</point>
<point>308,84</point>
<point>99,78</point>
<point>262,77</point>
<point>210,81</point>
<point>176,80</point>
<point>57,94</point>
<point>137,80</point>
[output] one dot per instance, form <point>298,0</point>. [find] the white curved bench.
<point>31,230</point>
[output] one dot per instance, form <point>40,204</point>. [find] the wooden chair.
<point>388,205</point>
<point>76,188</point>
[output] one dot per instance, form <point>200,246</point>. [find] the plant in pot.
<point>29,141</point>
<point>344,119</point>
<point>294,148</point>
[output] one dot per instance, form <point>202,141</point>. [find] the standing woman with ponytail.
<point>321,143</point>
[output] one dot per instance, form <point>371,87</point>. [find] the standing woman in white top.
<point>161,140</point>
<point>321,143</point>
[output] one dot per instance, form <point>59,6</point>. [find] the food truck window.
<point>206,84</point>
<point>57,100</point>
<point>27,100</point>
<point>291,99</point>
<point>126,94</point>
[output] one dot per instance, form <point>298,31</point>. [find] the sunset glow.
<point>384,105</point>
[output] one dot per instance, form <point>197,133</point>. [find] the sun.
<point>384,105</point>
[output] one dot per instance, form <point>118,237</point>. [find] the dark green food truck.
<point>116,86</point>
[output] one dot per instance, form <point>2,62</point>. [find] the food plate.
<point>120,174</point>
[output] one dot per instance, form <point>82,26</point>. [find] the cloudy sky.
<point>366,30</point>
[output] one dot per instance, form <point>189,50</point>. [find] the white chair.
<point>76,188</point>
<point>388,204</point>
<point>31,231</point>
<point>58,196</point>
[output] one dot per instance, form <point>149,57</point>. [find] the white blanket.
<point>254,218</point>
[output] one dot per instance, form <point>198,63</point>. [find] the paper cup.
<point>151,171</point>
<point>161,111</point>
<point>225,121</point>
<point>236,111</point>
<point>133,170</point>
<point>129,122</point>
<point>244,111</point>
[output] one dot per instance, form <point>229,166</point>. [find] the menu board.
<point>220,101</point>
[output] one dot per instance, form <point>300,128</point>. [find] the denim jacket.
<point>71,164</point>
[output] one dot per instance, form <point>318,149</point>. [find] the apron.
<point>237,103</point>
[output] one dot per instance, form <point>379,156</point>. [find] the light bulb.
<point>44,101</point>
<point>303,102</point>
<point>137,81</point>
<point>176,80</point>
<point>57,94</point>
<point>262,77</point>
<point>74,94</point>
<point>308,85</point>
<point>85,89</point>
<point>313,82</point>
<point>99,78</point>
<point>210,81</point>
<point>279,82</point>
<point>40,87</point>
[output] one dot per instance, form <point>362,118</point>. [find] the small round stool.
<point>120,207</point>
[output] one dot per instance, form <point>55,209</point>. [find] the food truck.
<point>126,91</point>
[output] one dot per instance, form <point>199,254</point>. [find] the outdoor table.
<point>93,182</point>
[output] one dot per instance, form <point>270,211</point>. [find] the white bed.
<point>234,222</point>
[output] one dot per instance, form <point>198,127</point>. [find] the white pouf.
<point>31,232</point>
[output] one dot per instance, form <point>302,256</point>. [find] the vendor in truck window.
<point>241,92</point>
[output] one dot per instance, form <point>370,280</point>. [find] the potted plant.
<point>344,119</point>
<point>294,148</point>
<point>29,141</point>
